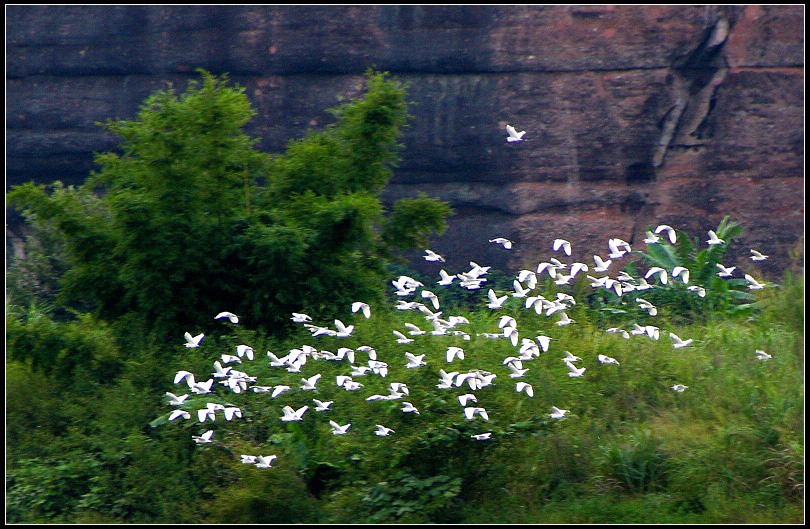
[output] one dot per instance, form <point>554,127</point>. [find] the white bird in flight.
<point>193,341</point>
<point>322,405</point>
<point>670,232</point>
<point>481,436</point>
<point>297,317</point>
<point>513,134</point>
<point>293,415</point>
<point>753,283</point>
<point>495,302</point>
<point>762,355</point>
<point>179,413</point>
<point>606,360</point>
<point>338,429</point>
<point>557,413</point>
<point>566,246</point>
<point>570,357</point>
<point>679,388</point>
<point>471,411</point>
<point>230,315</point>
<point>573,371</point>
<point>430,255</point>
<point>601,265</point>
<point>454,352</point>
<point>682,272</point>
<point>360,306</point>
<point>204,438</point>
<point>527,388</point>
<point>414,361</point>
<point>446,279</point>
<point>506,243</point>
<point>714,239</point>
<point>725,271</point>
<point>383,431</point>
<point>407,407</point>
<point>174,400</point>
<point>264,461</point>
<point>757,256</point>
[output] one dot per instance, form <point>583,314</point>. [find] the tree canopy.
<point>190,219</point>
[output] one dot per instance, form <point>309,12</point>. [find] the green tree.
<point>189,219</point>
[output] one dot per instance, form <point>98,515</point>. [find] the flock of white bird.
<point>412,293</point>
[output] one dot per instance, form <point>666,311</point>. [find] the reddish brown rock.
<point>634,115</point>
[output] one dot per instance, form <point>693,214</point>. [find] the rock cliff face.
<point>634,115</point>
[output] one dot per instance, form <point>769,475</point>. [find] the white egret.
<point>248,459</point>
<point>467,397</point>
<point>308,384</point>
<point>506,243</point>
<point>562,243</point>
<point>204,438</point>
<point>679,388</point>
<point>714,239</point>
<point>624,333</point>
<point>321,405</point>
<point>179,413</point>
<point>278,390</point>
<point>343,330</point>
<point>601,265</point>
<point>651,238</point>
<point>495,302</point>
<point>338,429</point>
<point>407,407</point>
<point>401,338</point>
<point>383,431</point>
<point>360,306</point>
<point>662,274</point>
<point>193,341</point>
<point>219,371</point>
<point>565,319</point>
<point>573,371</point>
<point>753,283</point>
<point>481,436</point>
<point>557,413</point>
<point>725,271</point>
<point>682,272</point>
<point>291,414</point>
<point>527,388</point>
<point>231,412</point>
<point>544,342</point>
<point>513,134</point>
<point>298,317</point>
<point>606,359</point>
<point>470,412</point>
<point>414,361</point>
<point>264,461</point>
<point>762,355</point>
<point>700,290</point>
<point>227,359</point>
<point>230,315</point>
<point>174,400</point>
<point>446,278</point>
<point>670,232</point>
<point>757,256</point>
<point>454,352</point>
<point>430,255</point>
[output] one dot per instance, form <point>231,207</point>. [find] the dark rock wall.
<point>635,115</point>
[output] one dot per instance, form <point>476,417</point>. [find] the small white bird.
<point>574,372</point>
<point>527,388</point>
<point>204,438</point>
<point>179,413</point>
<point>601,265</point>
<point>700,290</point>
<point>662,274</point>
<point>278,390</point>
<point>544,342</point>
<point>570,357</point>
<point>566,246</point>
<point>679,388</point>
<point>230,315</point>
<point>293,415</point>
<point>401,338</point>
<point>646,305</point>
<point>513,134</point>
<point>495,302</point>
<point>762,355</point>
<point>430,255</point>
<point>618,248</point>
<point>670,232</point>
<point>244,351</point>
<point>652,238</point>
<point>606,359</point>
<point>231,412</point>
<point>227,359</point>
<point>414,361</point>
<point>343,330</point>
<point>297,317</point>
<point>471,411</point>
<point>725,271</point>
<point>481,436</point>
<point>454,352</point>
<point>264,461</point>
<point>174,400</point>
<point>757,256</point>
<point>360,306</point>
<point>407,407</point>
<point>625,334</point>
<point>446,279</point>
<point>322,405</point>
<point>682,272</point>
<point>308,384</point>
<point>714,239</point>
<point>382,431</point>
<point>467,397</point>
<point>506,243</point>
<point>753,283</point>
<point>249,460</point>
<point>200,388</point>
<point>338,429</point>
<point>557,413</point>
<point>434,299</point>
<point>565,319</point>
<point>193,341</point>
